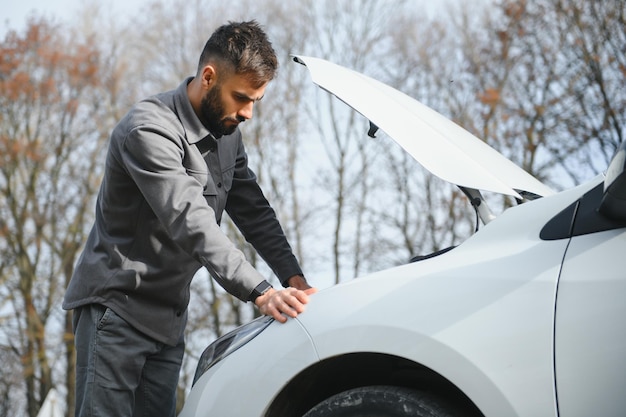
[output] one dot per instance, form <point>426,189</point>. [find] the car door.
<point>590,321</point>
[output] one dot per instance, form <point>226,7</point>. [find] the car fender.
<point>480,315</point>
<point>278,353</point>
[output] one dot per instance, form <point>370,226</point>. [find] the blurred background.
<point>542,81</point>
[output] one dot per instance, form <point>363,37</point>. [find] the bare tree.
<point>48,177</point>
<point>12,400</point>
<point>351,33</point>
<point>422,214</point>
<point>548,78</point>
<point>592,70</point>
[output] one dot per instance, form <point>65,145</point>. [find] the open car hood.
<point>437,143</point>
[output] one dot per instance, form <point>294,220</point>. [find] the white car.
<point>525,318</point>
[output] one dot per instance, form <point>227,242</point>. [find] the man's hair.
<point>244,48</point>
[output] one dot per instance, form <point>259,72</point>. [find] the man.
<point>175,162</point>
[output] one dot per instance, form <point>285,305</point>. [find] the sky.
<point>15,12</point>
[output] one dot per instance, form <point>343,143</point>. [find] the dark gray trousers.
<point>120,372</point>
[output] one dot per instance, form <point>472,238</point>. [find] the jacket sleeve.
<point>257,221</point>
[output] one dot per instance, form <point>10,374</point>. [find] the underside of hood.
<point>437,143</point>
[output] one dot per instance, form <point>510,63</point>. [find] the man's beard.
<point>212,111</point>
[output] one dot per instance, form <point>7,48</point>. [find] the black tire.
<point>381,401</point>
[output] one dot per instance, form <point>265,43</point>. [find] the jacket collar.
<point>195,131</point>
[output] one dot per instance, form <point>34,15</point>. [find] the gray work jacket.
<point>167,181</point>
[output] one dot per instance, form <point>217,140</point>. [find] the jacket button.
<point>219,185</point>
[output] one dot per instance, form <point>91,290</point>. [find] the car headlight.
<point>229,343</point>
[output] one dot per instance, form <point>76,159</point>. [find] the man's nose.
<point>246,111</point>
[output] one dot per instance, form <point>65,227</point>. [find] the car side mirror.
<point>613,204</point>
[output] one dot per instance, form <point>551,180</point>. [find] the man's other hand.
<point>281,304</point>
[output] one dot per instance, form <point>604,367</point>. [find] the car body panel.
<point>441,146</point>
<point>590,342</point>
<point>480,315</point>
<point>245,384</point>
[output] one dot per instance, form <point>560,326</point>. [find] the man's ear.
<point>208,76</point>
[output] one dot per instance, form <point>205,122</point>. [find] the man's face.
<point>229,102</point>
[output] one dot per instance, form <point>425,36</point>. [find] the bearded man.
<point>175,162</point>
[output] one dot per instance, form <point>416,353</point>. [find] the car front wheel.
<point>381,401</point>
